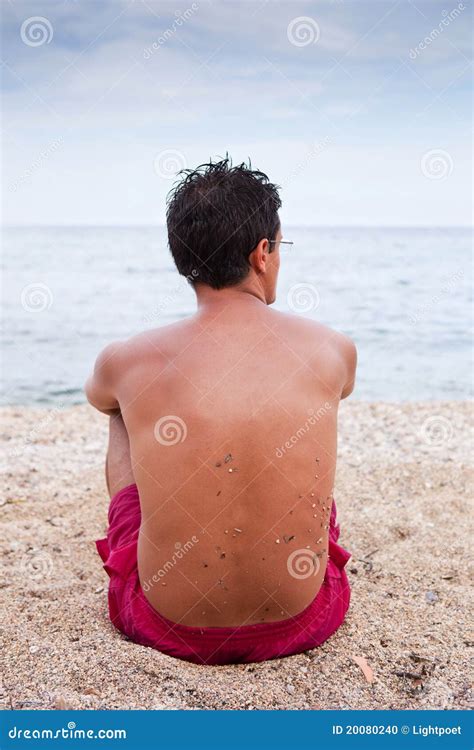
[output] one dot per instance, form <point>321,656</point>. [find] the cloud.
<point>228,78</point>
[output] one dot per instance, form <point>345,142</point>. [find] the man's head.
<point>223,226</point>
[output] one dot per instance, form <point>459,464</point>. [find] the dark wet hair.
<point>216,216</point>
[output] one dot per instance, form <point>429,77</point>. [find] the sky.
<point>361,111</point>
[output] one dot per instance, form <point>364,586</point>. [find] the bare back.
<point>231,417</point>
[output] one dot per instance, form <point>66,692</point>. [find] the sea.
<point>404,296</point>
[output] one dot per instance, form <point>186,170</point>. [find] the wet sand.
<point>403,486</point>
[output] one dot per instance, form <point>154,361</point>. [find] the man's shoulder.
<point>311,332</point>
<point>132,349</point>
<point>329,352</point>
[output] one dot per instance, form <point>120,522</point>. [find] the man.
<point>221,460</point>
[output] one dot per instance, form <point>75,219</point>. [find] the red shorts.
<point>134,616</point>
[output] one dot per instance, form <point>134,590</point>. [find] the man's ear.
<point>258,258</point>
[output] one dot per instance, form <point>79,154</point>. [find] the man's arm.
<point>101,386</point>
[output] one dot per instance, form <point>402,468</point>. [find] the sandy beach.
<point>403,486</point>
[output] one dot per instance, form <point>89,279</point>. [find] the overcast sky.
<point>342,103</point>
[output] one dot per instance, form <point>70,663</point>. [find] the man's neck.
<point>208,297</point>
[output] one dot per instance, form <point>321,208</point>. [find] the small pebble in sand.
<point>239,531</point>
<point>228,458</point>
<point>54,521</point>
<point>163,583</point>
<point>318,541</point>
<point>313,505</point>
<point>312,494</point>
<point>277,541</point>
<point>315,515</point>
<point>218,463</point>
<point>226,531</point>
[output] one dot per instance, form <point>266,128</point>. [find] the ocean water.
<point>403,295</point>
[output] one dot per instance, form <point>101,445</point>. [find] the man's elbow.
<point>347,390</point>
<point>351,367</point>
<point>94,400</point>
<point>88,389</point>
